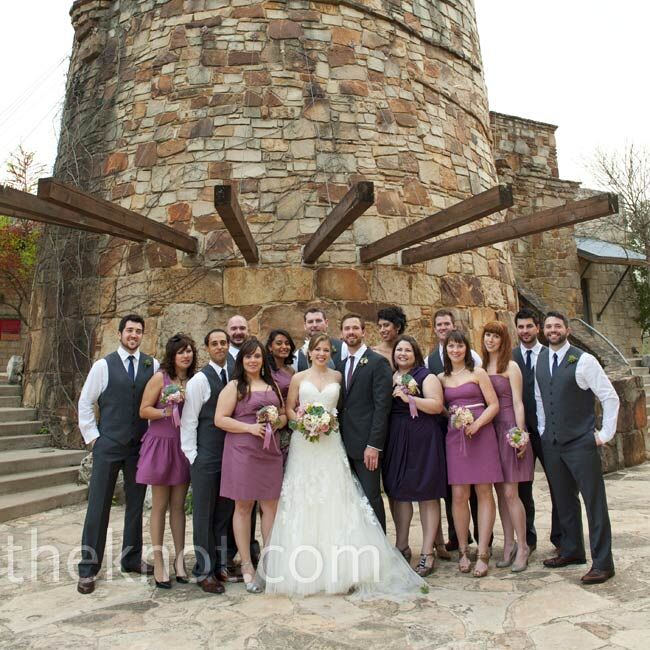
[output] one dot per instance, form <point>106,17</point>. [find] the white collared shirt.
<point>95,385</point>
<point>589,376</point>
<point>478,362</point>
<point>233,352</point>
<point>535,350</point>
<point>197,393</point>
<point>357,355</point>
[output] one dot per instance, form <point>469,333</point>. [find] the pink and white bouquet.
<point>410,388</point>
<point>313,421</point>
<point>269,417</point>
<point>173,394</point>
<point>518,439</point>
<point>461,417</point>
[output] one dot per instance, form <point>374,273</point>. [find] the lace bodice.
<point>328,397</point>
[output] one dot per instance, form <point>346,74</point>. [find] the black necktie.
<point>224,379</point>
<point>131,369</point>
<point>529,362</point>
<point>554,368</point>
<point>350,371</point>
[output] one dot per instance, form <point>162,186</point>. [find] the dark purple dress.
<point>413,466</point>
<point>162,462</point>
<point>475,460</point>
<point>515,470</point>
<point>248,471</point>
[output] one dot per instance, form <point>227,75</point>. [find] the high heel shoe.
<point>521,566</point>
<point>462,555</point>
<point>163,584</point>
<point>442,552</point>
<point>251,586</point>
<point>180,579</point>
<point>406,552</point>
<point>422,569</point>
<point>506,562</point>
<point>484,557</point>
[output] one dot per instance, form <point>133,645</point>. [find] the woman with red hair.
<point>517,464</point>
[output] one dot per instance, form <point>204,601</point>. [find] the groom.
<point>364,409</point>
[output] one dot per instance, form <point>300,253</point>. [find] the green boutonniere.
<point>572,359</point>
<point>147,363</point>
<point>334,350</point>
<point>363,361</point>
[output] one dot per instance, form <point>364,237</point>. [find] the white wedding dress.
<point>326,537</point>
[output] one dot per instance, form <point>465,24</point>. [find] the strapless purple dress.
<point>475,460</point>
<point>248,471</point>
<point>515,470</point>
<point>162,461</point>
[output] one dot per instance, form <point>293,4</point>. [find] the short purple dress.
<point>515,470</point>
<point>475,460</point>
<point>248,471</point>
<point>162,462</point>
<point>413,464</point>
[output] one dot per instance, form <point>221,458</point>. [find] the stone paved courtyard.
<point>538,609</point>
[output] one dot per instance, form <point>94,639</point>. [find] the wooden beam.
<point>475,207</point>
<point>357,200</point>
<point>113,215</point>
<point>228,208</point>
<point>571,213</point>
<point>22,205</point>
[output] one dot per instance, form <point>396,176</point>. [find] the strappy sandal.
<point>483,557</point>
<point>462,555</point>
<point>251,586</point>
<point>406,552</point>
<point>422,569</point>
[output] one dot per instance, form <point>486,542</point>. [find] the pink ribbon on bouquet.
<point>463,444</point>
<point>268,436</point>
<point>413,409</point>
<point>176,416</point>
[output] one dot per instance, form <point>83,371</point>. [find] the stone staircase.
<point>34,476</point>
<point>644,373</point>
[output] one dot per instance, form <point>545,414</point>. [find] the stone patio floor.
<point>541,608</point>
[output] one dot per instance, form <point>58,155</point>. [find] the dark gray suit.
<point>117,448</point>
<point>364,411</point>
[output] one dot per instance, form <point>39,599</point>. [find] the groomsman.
<point>115,384</point>
<point>364,411</point>
<point>237,329</point>
<point>525,355</point>
<point>566,381</point>
<point>316,323</point>
<point>202,443</point>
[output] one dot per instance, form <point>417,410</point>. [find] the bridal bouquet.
<point>518,439</point>
<point>410,388</point>
<point>173,394</point>
<point>313,421</point>
<point>269,417</point>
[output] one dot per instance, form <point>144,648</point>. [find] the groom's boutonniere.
<point>334,350</point>
<point>363,361</point>
<point>572,358</point>
<point>147,363</point>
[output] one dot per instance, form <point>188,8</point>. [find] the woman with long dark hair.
<point>252,461</point>
<point>162,463</point>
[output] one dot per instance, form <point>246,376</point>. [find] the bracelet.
<point>164,412</point>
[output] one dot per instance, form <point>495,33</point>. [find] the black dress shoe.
<point>225,575</point>
<point>163,584</point>
<point>559,561</point>
<point>144,569</point>
<point>596,576</point>
<point>86,585</point>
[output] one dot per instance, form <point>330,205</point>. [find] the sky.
<point>579,64</point>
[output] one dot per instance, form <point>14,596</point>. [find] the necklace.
<point>457,372</point>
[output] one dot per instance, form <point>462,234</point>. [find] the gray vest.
<point>209,438</point>
<point>569,411</point>
<point>119,404</point>
<point>530,406</point>
<point>434,362</point>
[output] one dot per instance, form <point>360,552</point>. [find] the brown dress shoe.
<point>86,585</point>
<point>144,569</point>
<point>211,586</point>
<point>225,575</point>
<point>596,576</point>
<point>559,561</point>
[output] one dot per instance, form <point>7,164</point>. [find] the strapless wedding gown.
<point>326,537</point>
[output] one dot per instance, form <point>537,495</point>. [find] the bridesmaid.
<point>413,467</point>
<point>472,454</point>
<point>391,323</point>
<point>507,381</point>
<point>281,348</point>
<point>162,463</point>
<point>249,472</point>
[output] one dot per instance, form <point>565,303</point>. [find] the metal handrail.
<point>602,336</point>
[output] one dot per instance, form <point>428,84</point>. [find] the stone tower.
<point>292,100</point>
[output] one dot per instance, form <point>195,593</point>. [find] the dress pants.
<point>109,457</point>
<point>371,485</point>
<point>574,468</point>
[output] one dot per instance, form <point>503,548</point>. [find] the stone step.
<point>635,361</point>
<point>7,390</point>
<point>639,371</point>
<point>36,441</point>
<point>38,479</point>
<point>4,378</point>
<point>10,401</point>
<point>17,414</point>
<point>23,504</point>
<point>28,460</point>
<point>20,428</point>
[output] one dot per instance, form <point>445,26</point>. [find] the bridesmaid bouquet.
<point>268,416</point>
<point>410,388</point>
<point>518,439</point>
<point>461,417</point>
<point>313,421</point>
<point>173,394</point>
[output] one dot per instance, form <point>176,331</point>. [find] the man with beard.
<point>566,382</point>
<point>237,329</point>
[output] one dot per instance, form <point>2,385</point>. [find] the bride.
<point>326,537</point>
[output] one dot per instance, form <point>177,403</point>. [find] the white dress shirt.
<point>197,393</point>
<point>357,355</point>
<point>535,350</point>
<point>95,385</point>
<point>478,362</point>
<point>589,376</point>
<point>233,352</point>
